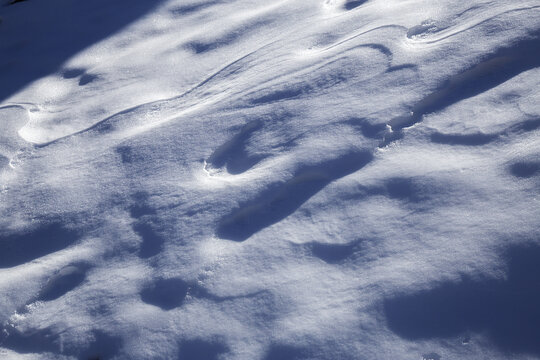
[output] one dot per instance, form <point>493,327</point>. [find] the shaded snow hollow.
<point>274,180</point>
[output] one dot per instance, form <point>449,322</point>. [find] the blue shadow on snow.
<point>282,199</point>
<point>37,37</point>
<point>506,310</point>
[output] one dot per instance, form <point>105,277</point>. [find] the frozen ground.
<point>274,180</point>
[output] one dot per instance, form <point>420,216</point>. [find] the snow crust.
<point>242,179</point>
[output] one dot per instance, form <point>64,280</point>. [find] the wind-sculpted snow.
<point>45,34</point>
<point>505,309</point>
<point>244,179</point>
<point>525,169</point>
<point>281,200</point>
<point>31,244</point>
<point>498,68</point>
<point>232,154</point>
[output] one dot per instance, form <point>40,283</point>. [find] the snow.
<point>241,179</point>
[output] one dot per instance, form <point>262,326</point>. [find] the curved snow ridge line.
<point>292,66</point>
<point>480,138</point>
<point>353,37</point>
<point>458,29</point>
<point>269,209</point>
<point>303,80</point>
<point>224,72</point>
<point>499,67</point>
<point>14,105</point>
<point>10,124</point>
<point>168,109</point>
<point>156,105</point>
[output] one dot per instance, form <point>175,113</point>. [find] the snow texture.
<point>273,180</point>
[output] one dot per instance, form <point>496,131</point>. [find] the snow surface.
<point>277,180</point>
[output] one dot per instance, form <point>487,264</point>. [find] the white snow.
<point>242,179</point>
